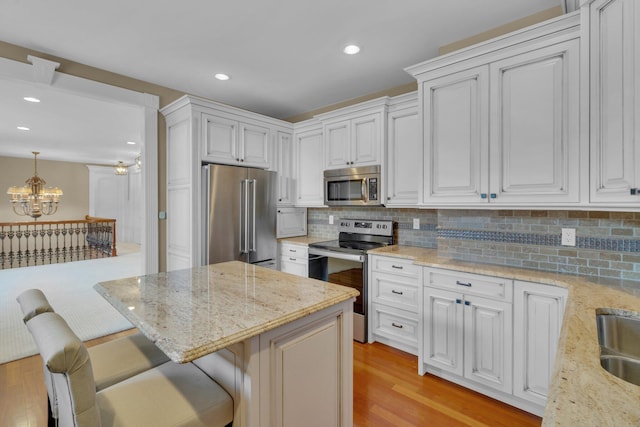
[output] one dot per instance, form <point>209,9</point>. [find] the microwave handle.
<point>365,190</point>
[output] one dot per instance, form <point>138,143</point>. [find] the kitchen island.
<point>281,345</point>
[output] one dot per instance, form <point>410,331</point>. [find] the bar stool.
<point>113,361</point>
<point>168,395</point>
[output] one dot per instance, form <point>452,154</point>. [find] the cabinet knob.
<point>483,195</point>
<point>388,198</point>
<point>467,303</point>
<point>493,195</point>
<point>634,192</point>
<point>458,301</point>
<point>237,159</point>
<point>242,160</point>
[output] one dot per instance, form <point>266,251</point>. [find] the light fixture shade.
<point>120,169</point>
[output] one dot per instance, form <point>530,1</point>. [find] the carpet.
<point>69,289</point>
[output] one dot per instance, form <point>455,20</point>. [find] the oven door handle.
<point>335,254</point>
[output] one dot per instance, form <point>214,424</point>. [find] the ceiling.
<point>284,56</point>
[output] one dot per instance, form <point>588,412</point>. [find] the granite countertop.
<point>581,392</point>
<point>193,312</point>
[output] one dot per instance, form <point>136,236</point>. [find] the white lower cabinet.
<point>467,334</point>
<point>394,302</point>
<point>539,311</point>
<point>294,259</point>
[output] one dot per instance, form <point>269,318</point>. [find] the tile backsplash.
<point>607,243</point>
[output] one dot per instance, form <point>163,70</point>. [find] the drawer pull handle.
<point>399,267</point>
<point>468,285</point>
<point>467,303</point>
<point>395,325</point>
<point>293,250</point>
<point>292,259</point>
<point>393,291</point>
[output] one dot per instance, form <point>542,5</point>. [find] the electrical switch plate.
<point>416,223</point>
<point>330,219</point>
<point>568,236</point>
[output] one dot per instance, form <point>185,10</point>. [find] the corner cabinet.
<point>202,131</point>
<point>309,169</point>
<point>536,330</point>
<point>501,121</point>
<point>614,52</point>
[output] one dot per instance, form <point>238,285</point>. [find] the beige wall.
<point>72,178</point>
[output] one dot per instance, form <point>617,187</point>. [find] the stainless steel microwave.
<point>352,186</point>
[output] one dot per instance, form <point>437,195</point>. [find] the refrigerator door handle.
<point>244,217</point>
<point>252,247</point>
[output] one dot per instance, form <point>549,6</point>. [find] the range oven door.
<point>349,270</point>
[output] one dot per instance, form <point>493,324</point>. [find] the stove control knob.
<point>378,226</point>
<point>384,226</point>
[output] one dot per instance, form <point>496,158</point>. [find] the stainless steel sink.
<point>619,338</point>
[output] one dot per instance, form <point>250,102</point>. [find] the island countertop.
<point>581,392</point>
<point>193,312</point>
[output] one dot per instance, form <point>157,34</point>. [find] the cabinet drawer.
<point>295,251</point>
<point>470,284</point>
<point>296,266</point>
<point>397,325</point>
<point>399,292</point>
<point>396,266</point>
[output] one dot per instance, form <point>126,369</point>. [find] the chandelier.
<point>120,169</point>
<point>34,199</point>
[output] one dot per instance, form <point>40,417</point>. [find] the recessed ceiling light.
<point>131,142</point>
<point>352,49</point>
<point>31,99</point>
<point>23,128</point>
<point>221,76</point>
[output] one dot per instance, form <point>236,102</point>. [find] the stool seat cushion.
<point>170,394</point>
<point>117,360</point>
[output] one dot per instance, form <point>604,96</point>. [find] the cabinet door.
<point>538,312</point>
<point>286,183</point>
<point>488,342</point>
<point>291,222</point>
<point>404,159</point>
<point>365,140</point>
<point>456,121</point>
<point>535,124</point>
<point>443,330</point>
<point>615,101</point>
<point>309,169</point>
<point>220,142</point>
<point>337,145</point>
<point>254,145</point>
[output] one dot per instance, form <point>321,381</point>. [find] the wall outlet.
<point>568,236</point>
<point>416,223</point>
<point>330,219</point>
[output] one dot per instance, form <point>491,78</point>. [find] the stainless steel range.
<point>344,261</point>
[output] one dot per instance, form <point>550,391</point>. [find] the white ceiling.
<point>284,56</point>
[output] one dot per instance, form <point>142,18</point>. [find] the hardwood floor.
<point>387,392</point>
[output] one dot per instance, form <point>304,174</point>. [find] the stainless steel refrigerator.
<point>239,215</point>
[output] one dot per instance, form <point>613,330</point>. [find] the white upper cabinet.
<point>535,126</point>
<point>404,152</point>
<point>501,121</point>
<point>613,49</point>
<point>456,132</point>
<point>354,136</point>
<point>308,151</point>
<point>286,179</point>
<point>234,142</point>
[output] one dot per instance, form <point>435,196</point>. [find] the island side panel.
<point>306,371</point>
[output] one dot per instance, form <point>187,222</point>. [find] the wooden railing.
<point>24,244</point>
